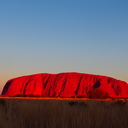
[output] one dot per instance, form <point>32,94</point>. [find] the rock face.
<point>65,85</point>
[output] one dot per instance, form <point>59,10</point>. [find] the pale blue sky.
<point>88,36</point>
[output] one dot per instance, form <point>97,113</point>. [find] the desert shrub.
<point>73,103</point>
<point>19,95</point>
<point>81,96</point>
<point>37,96</point>
<point>30,95</point>
<point>73,97</point>
<point>2,102</point>
<point>83,104</point>
<point>119,103</point>
<point>97,93</point>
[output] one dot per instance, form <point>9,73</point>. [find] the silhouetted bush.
<point>119,103</point>
<point>2,102</point>
<point>30,95</point>
<point>72,103</point>
<point>73,97</point>
<point>81,96</point>
<point>19,95</point>
<point>37,96</point>
<point>83,104</point>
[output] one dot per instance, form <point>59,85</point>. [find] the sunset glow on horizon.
<point>63,36</point>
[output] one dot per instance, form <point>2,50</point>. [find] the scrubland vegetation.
<point>42,113</point>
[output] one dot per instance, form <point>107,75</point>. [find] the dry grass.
<point>47,113</point>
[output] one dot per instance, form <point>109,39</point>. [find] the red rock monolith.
<point>65,85</point>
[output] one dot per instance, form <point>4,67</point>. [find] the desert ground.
<point>17,112</point>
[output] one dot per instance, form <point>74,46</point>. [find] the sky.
<point>54,36</point>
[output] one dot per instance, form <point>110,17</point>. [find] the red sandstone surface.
<point>66,85</point>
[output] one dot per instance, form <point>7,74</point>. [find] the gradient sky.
<point>53,36</point>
